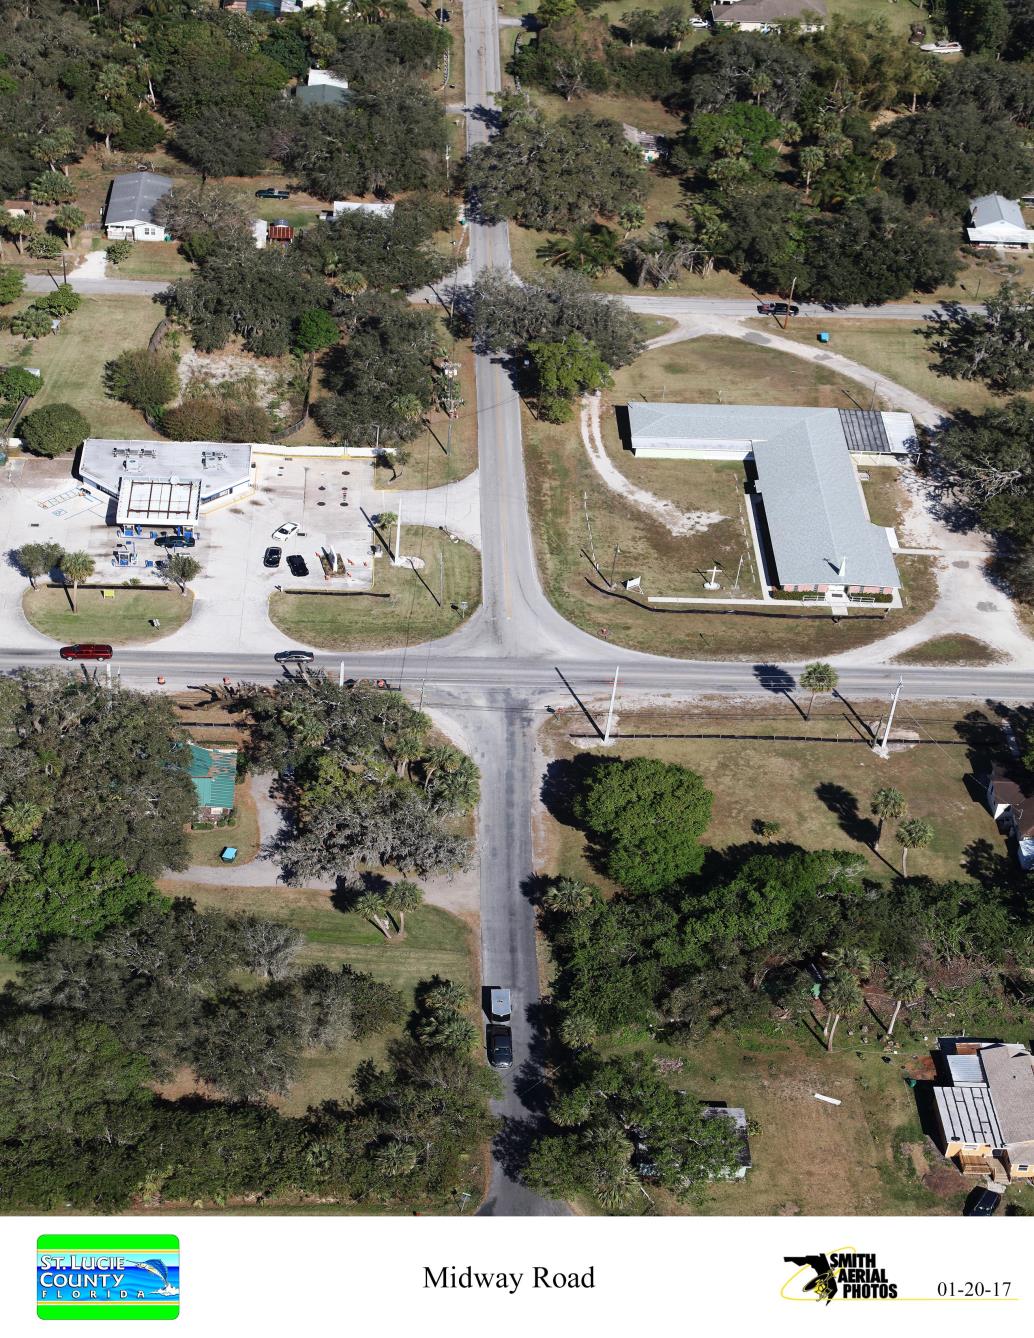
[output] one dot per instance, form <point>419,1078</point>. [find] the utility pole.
<point>341,674</point>
<point>610,712</point>
<point>883,749</point>
<point>398,533</point>
<point>441,580</point>
<point>614,564</point>
<point>789,303</point>
<point>592,546</point>
<point>739,568</point>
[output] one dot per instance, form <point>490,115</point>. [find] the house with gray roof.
<point>323,89</point>
<point>752,16</point>
<point>809,509</point>
<point>997,221</point>
<point>984,1107</point>
<point>129,214</point>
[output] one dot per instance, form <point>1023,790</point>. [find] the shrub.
<point>119,251</point>
<point>44,246</point>
<point>60,302</point>
<point>148,381</point>
<point>31,323</point>
<point>53,430</point>
<point>209,418</point>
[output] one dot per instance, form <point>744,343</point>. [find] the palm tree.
<point>401,897</point>
<point>396,1158</point>
<point>760,84</point>
<point>568,896</point>
<point>881,153</point>
<point>816,678</point>
<point>75,567</point>
<point>852,959</point>
<point>841,995</point>
<point>107,123</point>
<point>907,985</point>
<point>886,803</point>
<point>69,219</point>
<point>631,216</point>
<point>590,250</point>
<point>372,906</point>
<point>811,159</point>
<point>913,834</point>
<point>614,1187</point>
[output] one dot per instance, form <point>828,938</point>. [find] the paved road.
<point>45,283</point>
<point>656,305</point>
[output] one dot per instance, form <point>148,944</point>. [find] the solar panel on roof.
<point>865,431</point>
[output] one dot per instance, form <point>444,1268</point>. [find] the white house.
<point>322,89</point>
<point>379,208</point>
<point>996,221</point>
<point>129,215</point>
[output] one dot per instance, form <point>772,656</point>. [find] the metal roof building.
<point>997,221</point>
<point>729,431</point>
<point>214,774</point>
<point>819,530</point>
<point>131,201</point>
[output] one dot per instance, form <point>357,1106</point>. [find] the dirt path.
<point>675,521</point>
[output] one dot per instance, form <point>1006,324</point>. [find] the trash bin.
<point>823,336</point>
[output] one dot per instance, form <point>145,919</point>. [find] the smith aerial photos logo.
<point>841,1275</point>
<point>107,1277</point>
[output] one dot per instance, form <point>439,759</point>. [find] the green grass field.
<point>148,260</point>
<point>72,361</point>
<point>121,621</point>
<point>960,649</point>
<point>412,614</point>
<point>436,943</point>
<point>206,847</point>
<point>818,792</point>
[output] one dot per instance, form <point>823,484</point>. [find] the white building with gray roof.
<point>995,220</point>
<point>809,505</point>
<point>166,483</point>
<point>129,215</point>
<point>984,1107</point>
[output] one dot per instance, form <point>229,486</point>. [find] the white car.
<point>697,22</point>
<point>942,48</point>
<point>285,531</point>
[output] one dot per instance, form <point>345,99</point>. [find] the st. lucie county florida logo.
<point>107,1277</point>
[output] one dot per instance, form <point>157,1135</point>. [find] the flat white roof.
<point>215,466</point>
<point>157,502</point>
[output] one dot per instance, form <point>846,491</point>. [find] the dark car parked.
<point>269,193</point>
<point>87,650</point>
<point>271,557</point>
<point>982,1203</point>
<point>500,1047</point>
<point>297,564</point>
<point>778,309</point>
<point>176,541</point>
<point>293,656</point>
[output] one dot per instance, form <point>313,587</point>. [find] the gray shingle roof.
<point>134,195</point>
<point>989,209</point>
<point>815,512</point>
<point>1010,1077</point>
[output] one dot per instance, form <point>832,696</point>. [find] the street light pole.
<point>883,749</point>
<point>610,712</point>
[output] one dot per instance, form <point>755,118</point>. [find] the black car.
<point>982,1203</point>
<point>778,309</point>
<point>297,564</point>
<point>269,193</point>
<point>293,656</point>
<point>176,541</point>
<point>500,1047</point>
<point>271,557</point>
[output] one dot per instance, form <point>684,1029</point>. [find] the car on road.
<point>297,565</point>
<point>86,650</point>
<point>499,1005</point>
<point>176,541</point>
<point>500,1047</point>
<point>778,309</point>
<point>271,557</point>
<point>982,1203</point>
<point>271,193</point>
<point>293,656</point>
<point>697,22</point>
<point>284,531</point>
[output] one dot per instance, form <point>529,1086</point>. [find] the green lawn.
<point>559,472</point>
<point>436,943</point>
<point>72,361</point>
<point>120,621</point>
<point>896,349</point>
<point>818,792</point>
<point>148,260</point>
<point>411,615</point>
<point>206,847</point>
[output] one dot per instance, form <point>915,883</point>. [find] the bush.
<point>16,382</point>
<point>31,323</point>
<point>53,430</point>
<point>63,300</point>
<point>119,251</point>
<point>44,246</point>
<point>209,418</point>
<point>12,283</point>
<point>148,381</point>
